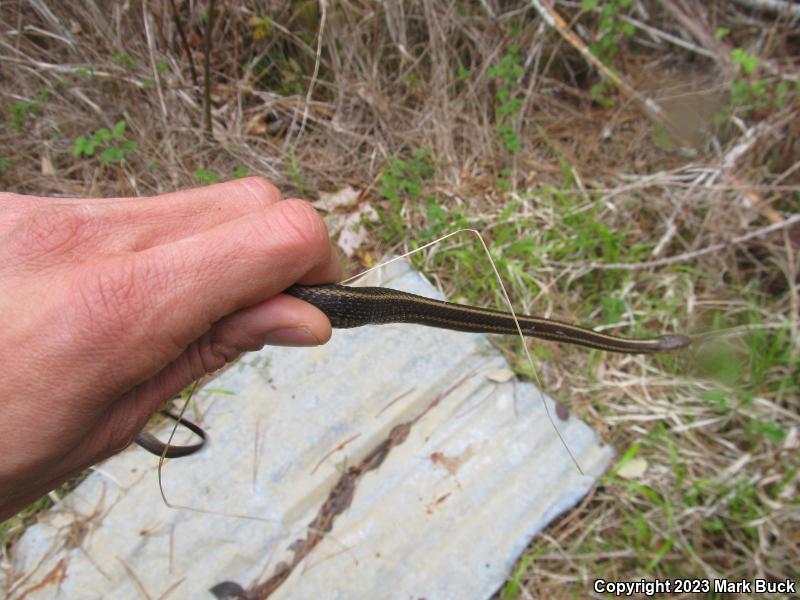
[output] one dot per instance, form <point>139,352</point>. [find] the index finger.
<point>165,297</point>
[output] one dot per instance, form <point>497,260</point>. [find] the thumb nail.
<point>292,336</point>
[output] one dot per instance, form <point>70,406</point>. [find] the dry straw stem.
<point>152,55</point>
<point>324,7</point>
<point>692,17</point>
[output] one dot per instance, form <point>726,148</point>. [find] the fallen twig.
<point>207,67</point>
<point>186,48</point>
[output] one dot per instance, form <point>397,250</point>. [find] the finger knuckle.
<point>302,227</point>
<point>210,355</point>
<point>261,190</point>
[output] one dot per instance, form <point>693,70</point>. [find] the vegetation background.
<point>632,164</point>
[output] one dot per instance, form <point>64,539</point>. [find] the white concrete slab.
<point>442,476</point>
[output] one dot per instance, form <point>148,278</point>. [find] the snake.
<point>155,446</point>
<point>347,307</point>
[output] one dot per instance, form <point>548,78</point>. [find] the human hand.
<point>109,307</point>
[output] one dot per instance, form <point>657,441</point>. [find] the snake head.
<point>673,342</point>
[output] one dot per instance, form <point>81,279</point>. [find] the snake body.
<point>356,306</point>
<point>348,307</point>
<point>155,446</point>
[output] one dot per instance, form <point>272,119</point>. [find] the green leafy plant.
<point>405,178</point>
<point>749,92</point>
<point>109,145</point>
<point>611,31</point>
<point>125,60</point>
<point>401,183</point>
<point>261,26</point>
<point>660,137</point>
<point>513,587</point>
<point>773,432</point>
<point>602,93</point>
<point>206,176</point>
<point>281,74</point>
<point>746,62</point>
<point>508,103</point>
<point>19,113</point>
<point>88,73</point>
<point>507,73</point>
<point>612,27</point>
<point>22,109</point>
<point>762,362</point>
<point>161,68</point>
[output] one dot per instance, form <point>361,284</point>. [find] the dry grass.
<point>692,147</point>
